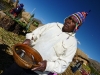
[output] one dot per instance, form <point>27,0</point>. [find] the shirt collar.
<point>69,33</point>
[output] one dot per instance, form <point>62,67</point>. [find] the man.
<point>56,43</point>
<point>17,10</point>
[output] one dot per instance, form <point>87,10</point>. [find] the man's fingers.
<point>36,68</point>
<point>24,42</point>
<point>40,63</point>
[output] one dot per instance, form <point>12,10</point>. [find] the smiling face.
<point>70,24</point>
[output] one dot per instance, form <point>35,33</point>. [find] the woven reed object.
<point>23,56</point>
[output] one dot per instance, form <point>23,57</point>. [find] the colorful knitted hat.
<point>80,16</point>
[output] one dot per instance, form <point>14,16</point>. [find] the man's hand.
<point>42,66</point>
<point>27,41</point>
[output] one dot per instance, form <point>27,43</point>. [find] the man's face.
<point>70,24</point>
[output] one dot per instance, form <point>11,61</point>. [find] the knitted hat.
<point>80,17</point>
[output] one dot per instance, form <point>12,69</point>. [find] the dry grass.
<point>9,38</point>
<point>31,28</point>
<point>69,72</point>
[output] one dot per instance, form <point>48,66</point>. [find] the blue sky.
<point>56,10</point>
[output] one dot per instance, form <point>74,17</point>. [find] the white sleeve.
<point>36,34</point>
<point>60,65</point>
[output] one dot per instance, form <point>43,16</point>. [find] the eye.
<point>73,21</point>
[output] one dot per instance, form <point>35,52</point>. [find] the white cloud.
<point>79,42</point>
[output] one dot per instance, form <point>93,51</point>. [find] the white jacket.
<point>55,46</point>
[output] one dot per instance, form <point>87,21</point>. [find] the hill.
<point>95,64</point>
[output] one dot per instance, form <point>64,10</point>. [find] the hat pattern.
<point>80,16</point>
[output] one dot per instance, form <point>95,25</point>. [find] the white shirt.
<point>55,46</point>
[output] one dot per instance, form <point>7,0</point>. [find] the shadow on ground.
<point>5,59</point>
